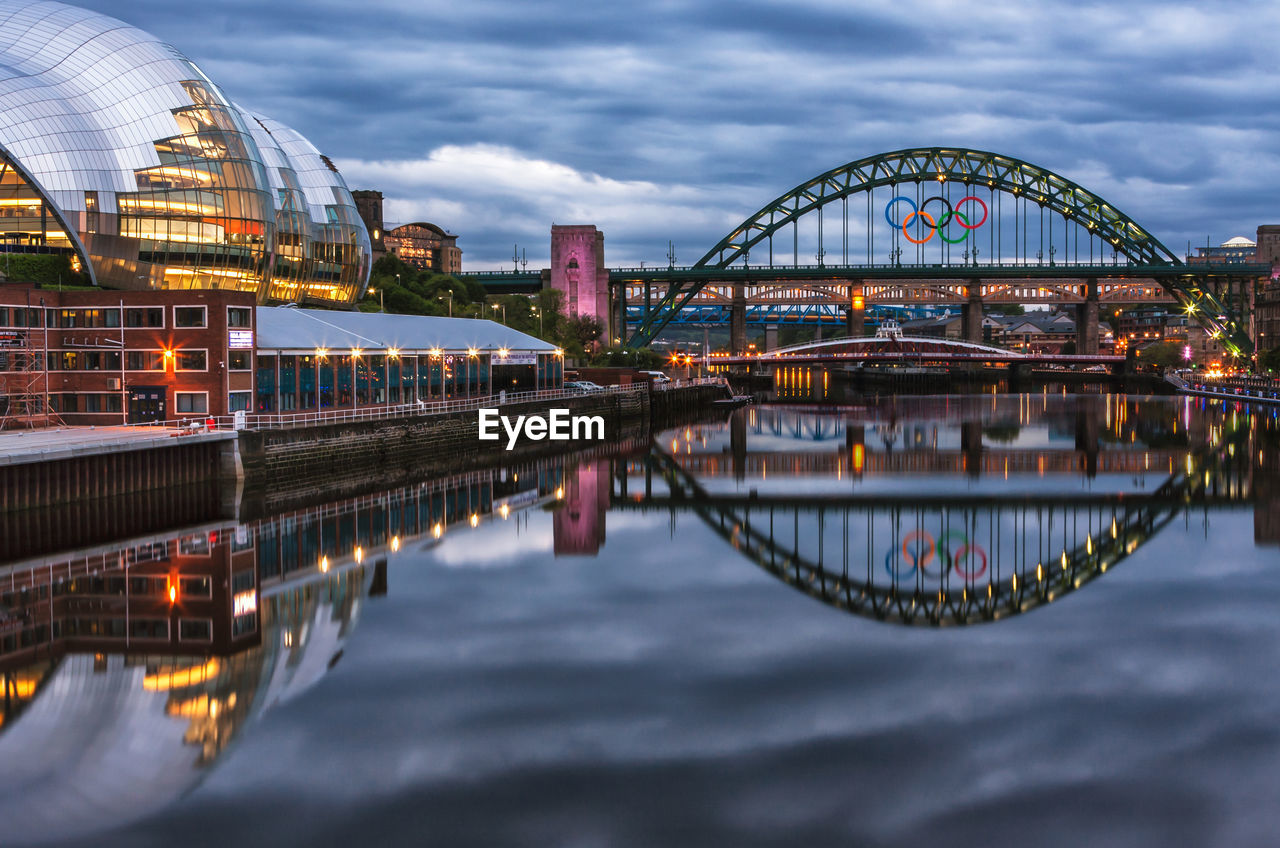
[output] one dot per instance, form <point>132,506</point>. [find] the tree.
<point>1269,361</point>
<point>580,332</point>
<point>1167,354</point>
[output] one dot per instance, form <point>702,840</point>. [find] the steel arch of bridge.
<point>942,164</point>
<point>973,169</point>
<point>1135,521</point>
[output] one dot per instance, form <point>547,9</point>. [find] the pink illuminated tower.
<point>577,270</point>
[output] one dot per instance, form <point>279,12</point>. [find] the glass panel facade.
<point>117,144</point>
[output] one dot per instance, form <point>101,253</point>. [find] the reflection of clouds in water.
<point>752,691</point>
<point>668,691</point>
<point>494,543</point>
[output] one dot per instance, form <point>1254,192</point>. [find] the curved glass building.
<point>118,151</point>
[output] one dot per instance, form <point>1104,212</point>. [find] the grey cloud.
<point>751,99</point>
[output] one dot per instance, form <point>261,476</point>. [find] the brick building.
<point>426,247</point>
<point>117,356</point>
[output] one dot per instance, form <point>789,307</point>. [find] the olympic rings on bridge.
<point>962,558</point>
<point>936,225</point>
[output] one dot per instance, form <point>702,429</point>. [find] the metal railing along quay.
<point>1261,389</point>
<point>290,421</point>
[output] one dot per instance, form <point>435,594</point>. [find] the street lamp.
<point>378,292</point>
<point>538,312</point>
<point>450,294</point>
<point>503,307</point>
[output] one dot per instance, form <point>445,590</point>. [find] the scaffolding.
<point>24,375</point>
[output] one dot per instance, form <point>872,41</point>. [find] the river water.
<point>1007,619</point>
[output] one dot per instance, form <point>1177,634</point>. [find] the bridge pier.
<point>770,337</point>
<point>621,328</point>
<point>738,445</point>
<point>971,317</point>
<point>856,315</point>
<point>738,321</point>
<point>971,447</point>
<point>1087,320</point>
<point>1087,437</point>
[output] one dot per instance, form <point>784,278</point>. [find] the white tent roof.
<point>305,330</point>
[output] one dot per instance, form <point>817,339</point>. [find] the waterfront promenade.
<point>21,447</point>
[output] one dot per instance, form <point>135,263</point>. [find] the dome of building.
<point>1239,241</point>
<point>119,152</point>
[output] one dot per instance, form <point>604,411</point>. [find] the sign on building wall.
<point>516,359</point>
<point>240,339</point>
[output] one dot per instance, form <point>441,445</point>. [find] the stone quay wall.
<point>340,458</point>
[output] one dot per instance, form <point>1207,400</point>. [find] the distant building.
<point>1267,296</point>
<point>422,245</point>
<point>1232,251</point>
<point>369,205</point>
<point>425,246</point>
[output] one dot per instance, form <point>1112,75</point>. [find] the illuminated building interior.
<point>119,150</point>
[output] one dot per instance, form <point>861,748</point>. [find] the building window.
<point>144,317</point>
<point>239,360</point>
<point>188,316</point>
<point>148,628</point>
<point>239,316</point>
<point>195,630</point>
<point>240,625</point>
<point>195,587</point>
<point>191,360</point>
<point>144,360</point>
<point>191,402</point>
<point>239,401</point>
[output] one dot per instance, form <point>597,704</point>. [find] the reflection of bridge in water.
<point>951,558</point>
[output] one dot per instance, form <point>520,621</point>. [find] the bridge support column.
<point>971,317</point>
<point>738,445</point>
<point>817,333</point>
<point>1087,321</point>
<point>855,440</point>
<point>770,337</point>
<point>971,447</point>
<point>620,330</point>
<point>856,315</point>
<point>738,321</point>
<point>1087,436</point>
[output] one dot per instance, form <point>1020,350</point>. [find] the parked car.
<point>583,386</point>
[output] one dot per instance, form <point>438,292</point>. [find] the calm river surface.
<point>1019,619</point>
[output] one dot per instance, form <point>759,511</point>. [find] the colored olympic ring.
<point>933,228</point>
<point>914,555</point>
<point>945,545</point>
<point>970,550</point>
<point>960,560</point>
<point>890,557</point>
<point>936,225</point>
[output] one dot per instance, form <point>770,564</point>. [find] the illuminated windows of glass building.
<point>119,154</point>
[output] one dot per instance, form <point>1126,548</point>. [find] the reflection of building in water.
<point>126,670</point>
<point>579,524</point>
<point>93,740</point>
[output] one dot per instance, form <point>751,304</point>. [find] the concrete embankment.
<point>90,478</point>
<point>349,456</point>
<point>51,468</point>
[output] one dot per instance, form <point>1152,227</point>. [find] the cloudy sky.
<point>674,120</point>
